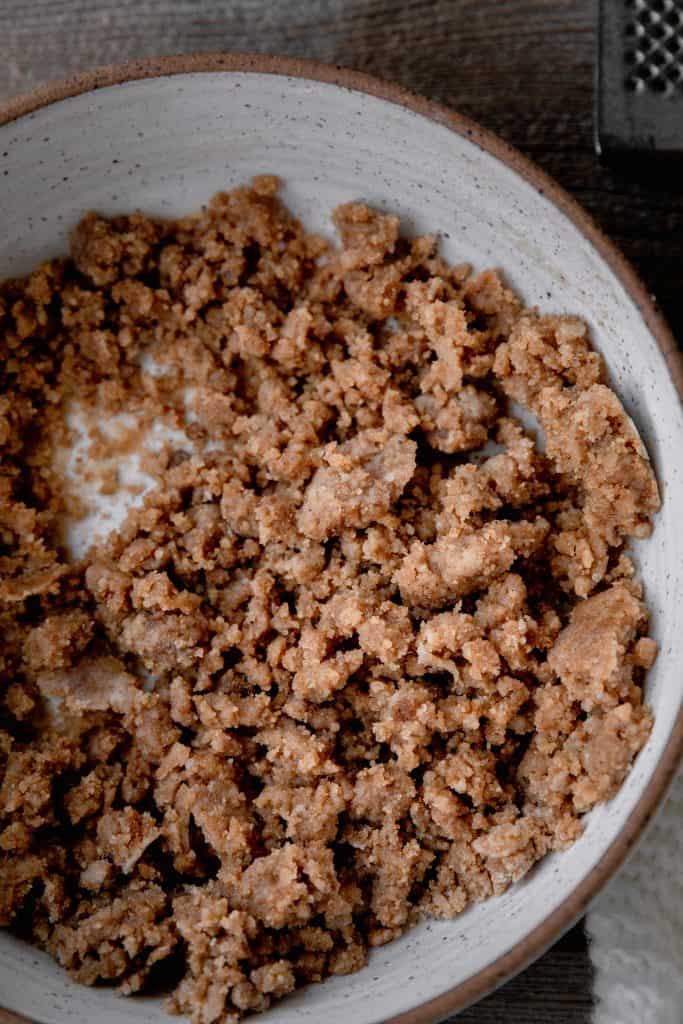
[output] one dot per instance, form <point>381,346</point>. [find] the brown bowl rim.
<point>546,933</point>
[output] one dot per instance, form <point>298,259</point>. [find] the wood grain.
<point>522,67</point>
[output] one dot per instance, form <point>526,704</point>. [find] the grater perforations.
<point>654,46</point>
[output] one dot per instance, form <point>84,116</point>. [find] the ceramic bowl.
<point>163,136</point>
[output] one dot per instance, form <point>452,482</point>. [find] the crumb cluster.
<point>365,653</point>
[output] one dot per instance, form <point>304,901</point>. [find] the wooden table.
<point>522,67</point>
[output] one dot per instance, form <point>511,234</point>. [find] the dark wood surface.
<point>524,68</point>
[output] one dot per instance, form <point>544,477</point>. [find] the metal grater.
<point>639,94</point>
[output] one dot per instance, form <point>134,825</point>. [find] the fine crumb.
<point>363,652</point>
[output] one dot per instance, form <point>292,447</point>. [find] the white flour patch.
<point>128,483</point>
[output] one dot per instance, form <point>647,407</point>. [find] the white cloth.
<point>636,929</point>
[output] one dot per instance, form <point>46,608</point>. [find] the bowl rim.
<point>552,927</point>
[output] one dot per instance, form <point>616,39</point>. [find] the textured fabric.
<point>636,929</point>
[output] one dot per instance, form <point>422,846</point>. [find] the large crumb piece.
<point>358,484</point>
<point>455,565</point>
<point>593,653</point>
<point>592,440</point>
<point>364,650</point>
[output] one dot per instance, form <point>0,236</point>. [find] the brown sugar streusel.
<point>365,653</point>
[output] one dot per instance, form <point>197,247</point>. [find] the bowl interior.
<point>165,145</point>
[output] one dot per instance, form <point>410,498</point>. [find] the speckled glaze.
<point>163,136</point>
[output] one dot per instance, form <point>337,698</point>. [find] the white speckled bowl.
<point>163,136</point>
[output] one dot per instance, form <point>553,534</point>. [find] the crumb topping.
<point>365,651</point>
